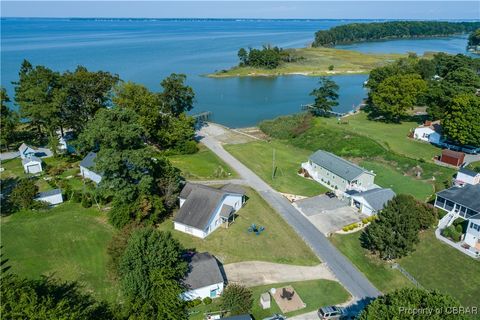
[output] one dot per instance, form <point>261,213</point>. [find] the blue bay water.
<point>146,51</point>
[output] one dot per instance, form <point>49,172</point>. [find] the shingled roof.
<point>204,271</point>
<point>376,198</point>
<point>467,196</point>
<point>339,166</point>
<point>89,160</point>
<point>201,202</point>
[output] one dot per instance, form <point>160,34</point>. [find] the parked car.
<point>471,149</point>
<point>276,317</point>
<point>330,194</point>
<point>330,313</point>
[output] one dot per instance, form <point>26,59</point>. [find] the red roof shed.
<point>453,158</point>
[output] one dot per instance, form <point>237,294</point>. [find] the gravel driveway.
<point>255,273</point>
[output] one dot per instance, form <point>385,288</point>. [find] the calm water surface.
<point>147,51</point>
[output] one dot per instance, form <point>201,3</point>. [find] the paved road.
<point>352,279</point>
<point>255,273</point>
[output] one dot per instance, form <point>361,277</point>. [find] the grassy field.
<point>389,177</point>
<point>390,135</point>
<point>475,166</point>
<point>315,294</point>
<point>438,266</point>
<point>278,243</point>
<point>258,157</point>
<point>68,242</point>
<point>434,264</point>
<point>203,165</point>
<point>316,62</point>
<point>379,273</point>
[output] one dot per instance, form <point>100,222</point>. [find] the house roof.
<point>453,154</point>
<point>234,188</point>
<point>201,202</point>
<point>31,159</point>
<point>434,125</point>
<point>23,147</point>
<point>198,207</point>
<point>203,271</point>
<point>48,193</point>
<point>376,198</point>
<point>89,160</point>
<point>467,196</point>
<point>468,172</point>
<point>226,211</point>
<point>341,167</point>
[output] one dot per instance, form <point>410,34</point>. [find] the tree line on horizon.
<point>357,32</point>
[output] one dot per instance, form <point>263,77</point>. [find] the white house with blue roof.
<point>336,173</point>
<point>86,168</point>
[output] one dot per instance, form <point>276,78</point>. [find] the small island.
<point>274,61</point>
<point>322,60</point>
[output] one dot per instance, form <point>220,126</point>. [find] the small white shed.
<point>32,165</point>
<point>86,166</point>
<point>53,197</point>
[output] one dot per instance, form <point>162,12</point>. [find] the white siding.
<point>204,292</point>
<point>472,235</point>
<point>215,222</point>
<point>53,199</point>
<point>467,178</point>
<point>86,173</point>
<point>423,133</point>
<point>33,167</point>
<point>364,206</point>
<point>190,230</point>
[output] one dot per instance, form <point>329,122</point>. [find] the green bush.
<point>452,233</point>
<point>193,303</point>
<point>86,201</point>
<point>188,147</point>
<point>287,127</point>
<point>207,301</point>
<point>77,196</point>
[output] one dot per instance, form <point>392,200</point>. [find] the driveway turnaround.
<point>328,214</point>
<point>255,273</point>
<point>352,279</point>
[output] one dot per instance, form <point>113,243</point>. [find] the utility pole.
<point>273,164</point>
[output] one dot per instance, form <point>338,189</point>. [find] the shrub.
<point>23,194</point>
<point>207,301</point>
<point>76,196</point>
<point>287,127</point>
<point>237,298</point>
<point>452,233</point>
<point>193,303</point>
<point>331,67</point>
<point>188,147</point>
<point>86,201</point>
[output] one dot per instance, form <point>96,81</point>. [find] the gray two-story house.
<point>337,173</point>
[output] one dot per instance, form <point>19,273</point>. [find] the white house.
<point>467,176</point>
<point>86,166</point>
<point>462,202</point>
<point>53,197</point>
<point>203,209</point>
<point>32,164</point>
<point>430,131</point>
<point>63,141</point>
<point>336,173</point>
<point>371,201</point>
<point>26,151</point>
<point>204,278</point>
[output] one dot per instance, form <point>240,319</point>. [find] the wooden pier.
<point>202,116</point>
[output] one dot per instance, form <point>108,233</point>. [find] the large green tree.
<point>143,185</point>
<point>413,303</point>
<point>23,194</point>
<point>395,232</point>
<point>35,94</point>
<point>151,269</point>
<point>397,94</point>
<point>176,97</point>
<point>8,121</point>
<point>82,94</point>
<point>46,299</point>
<point>461,122</point>
<point>326,97</point>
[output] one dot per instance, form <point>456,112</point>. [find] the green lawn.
<point>379,273</point>
<point>203,165</point>
<point>258,157</point>
<point>390,135</point>
<point>278,243</point>
<point>68,242</point>
<point>315,294</point>
<point>434,264</point>
<point>475,166</point>
<point>438,266</point>
<point>389,177</point>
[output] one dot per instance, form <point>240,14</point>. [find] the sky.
<point>245,9</point>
